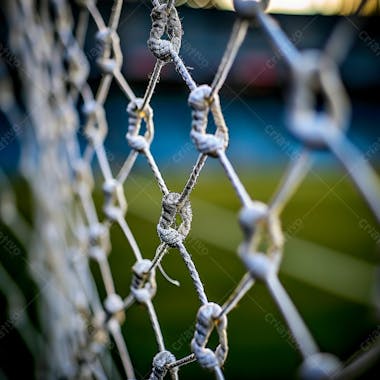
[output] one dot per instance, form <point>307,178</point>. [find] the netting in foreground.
<point>67,230</point>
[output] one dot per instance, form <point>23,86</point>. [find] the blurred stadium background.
<point>333,242</point>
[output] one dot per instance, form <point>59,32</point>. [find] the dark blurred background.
<point>333,241</point>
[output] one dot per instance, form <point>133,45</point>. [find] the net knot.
<point>109,42</point>
<point>107,65</point>
<point>199,98</point>
<point>170,207</point>
<point>160,363</point>
<point>206,143</point>
<point>78,67</point>
<point>200,103</point>
<point>91,108</point>
<point>136,115</point>
<point>250,215</point>
<point>250,8</point>
<point>104,36</point>
<point>96,125</point>
<point>317,75</point>
<point>114,310</point>
<point>208,319</point>
<point>115,204</point>
<point>99,242</point>
<point>113,304</point>
<point>165,20</point>
<point>261,228</point>
<point>143,285</point>
<point>260,266</point>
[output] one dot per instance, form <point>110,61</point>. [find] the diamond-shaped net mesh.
<point>46,43</point>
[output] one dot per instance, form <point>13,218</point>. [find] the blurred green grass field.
<point>328,270</point>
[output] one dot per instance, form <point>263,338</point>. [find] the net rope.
<point>68,232</point>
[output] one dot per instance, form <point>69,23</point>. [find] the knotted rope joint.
<point>200,103</point>
<point>96,125</point>
<point>249,8</point>
<point>169,235</point>
<point>260,266</point>
<point>143,285</point>
<point>165,20</point>
<point>99,241</point>
<point>316,74</point>
<point>109,42</point>
<point>160,363</point>
<point>136,115</point>
<point>251,215</point>
<point>207,320</point>
<point>115,204</point>
<point>113,304</point>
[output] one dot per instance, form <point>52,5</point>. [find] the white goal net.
<point>43,81</point>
